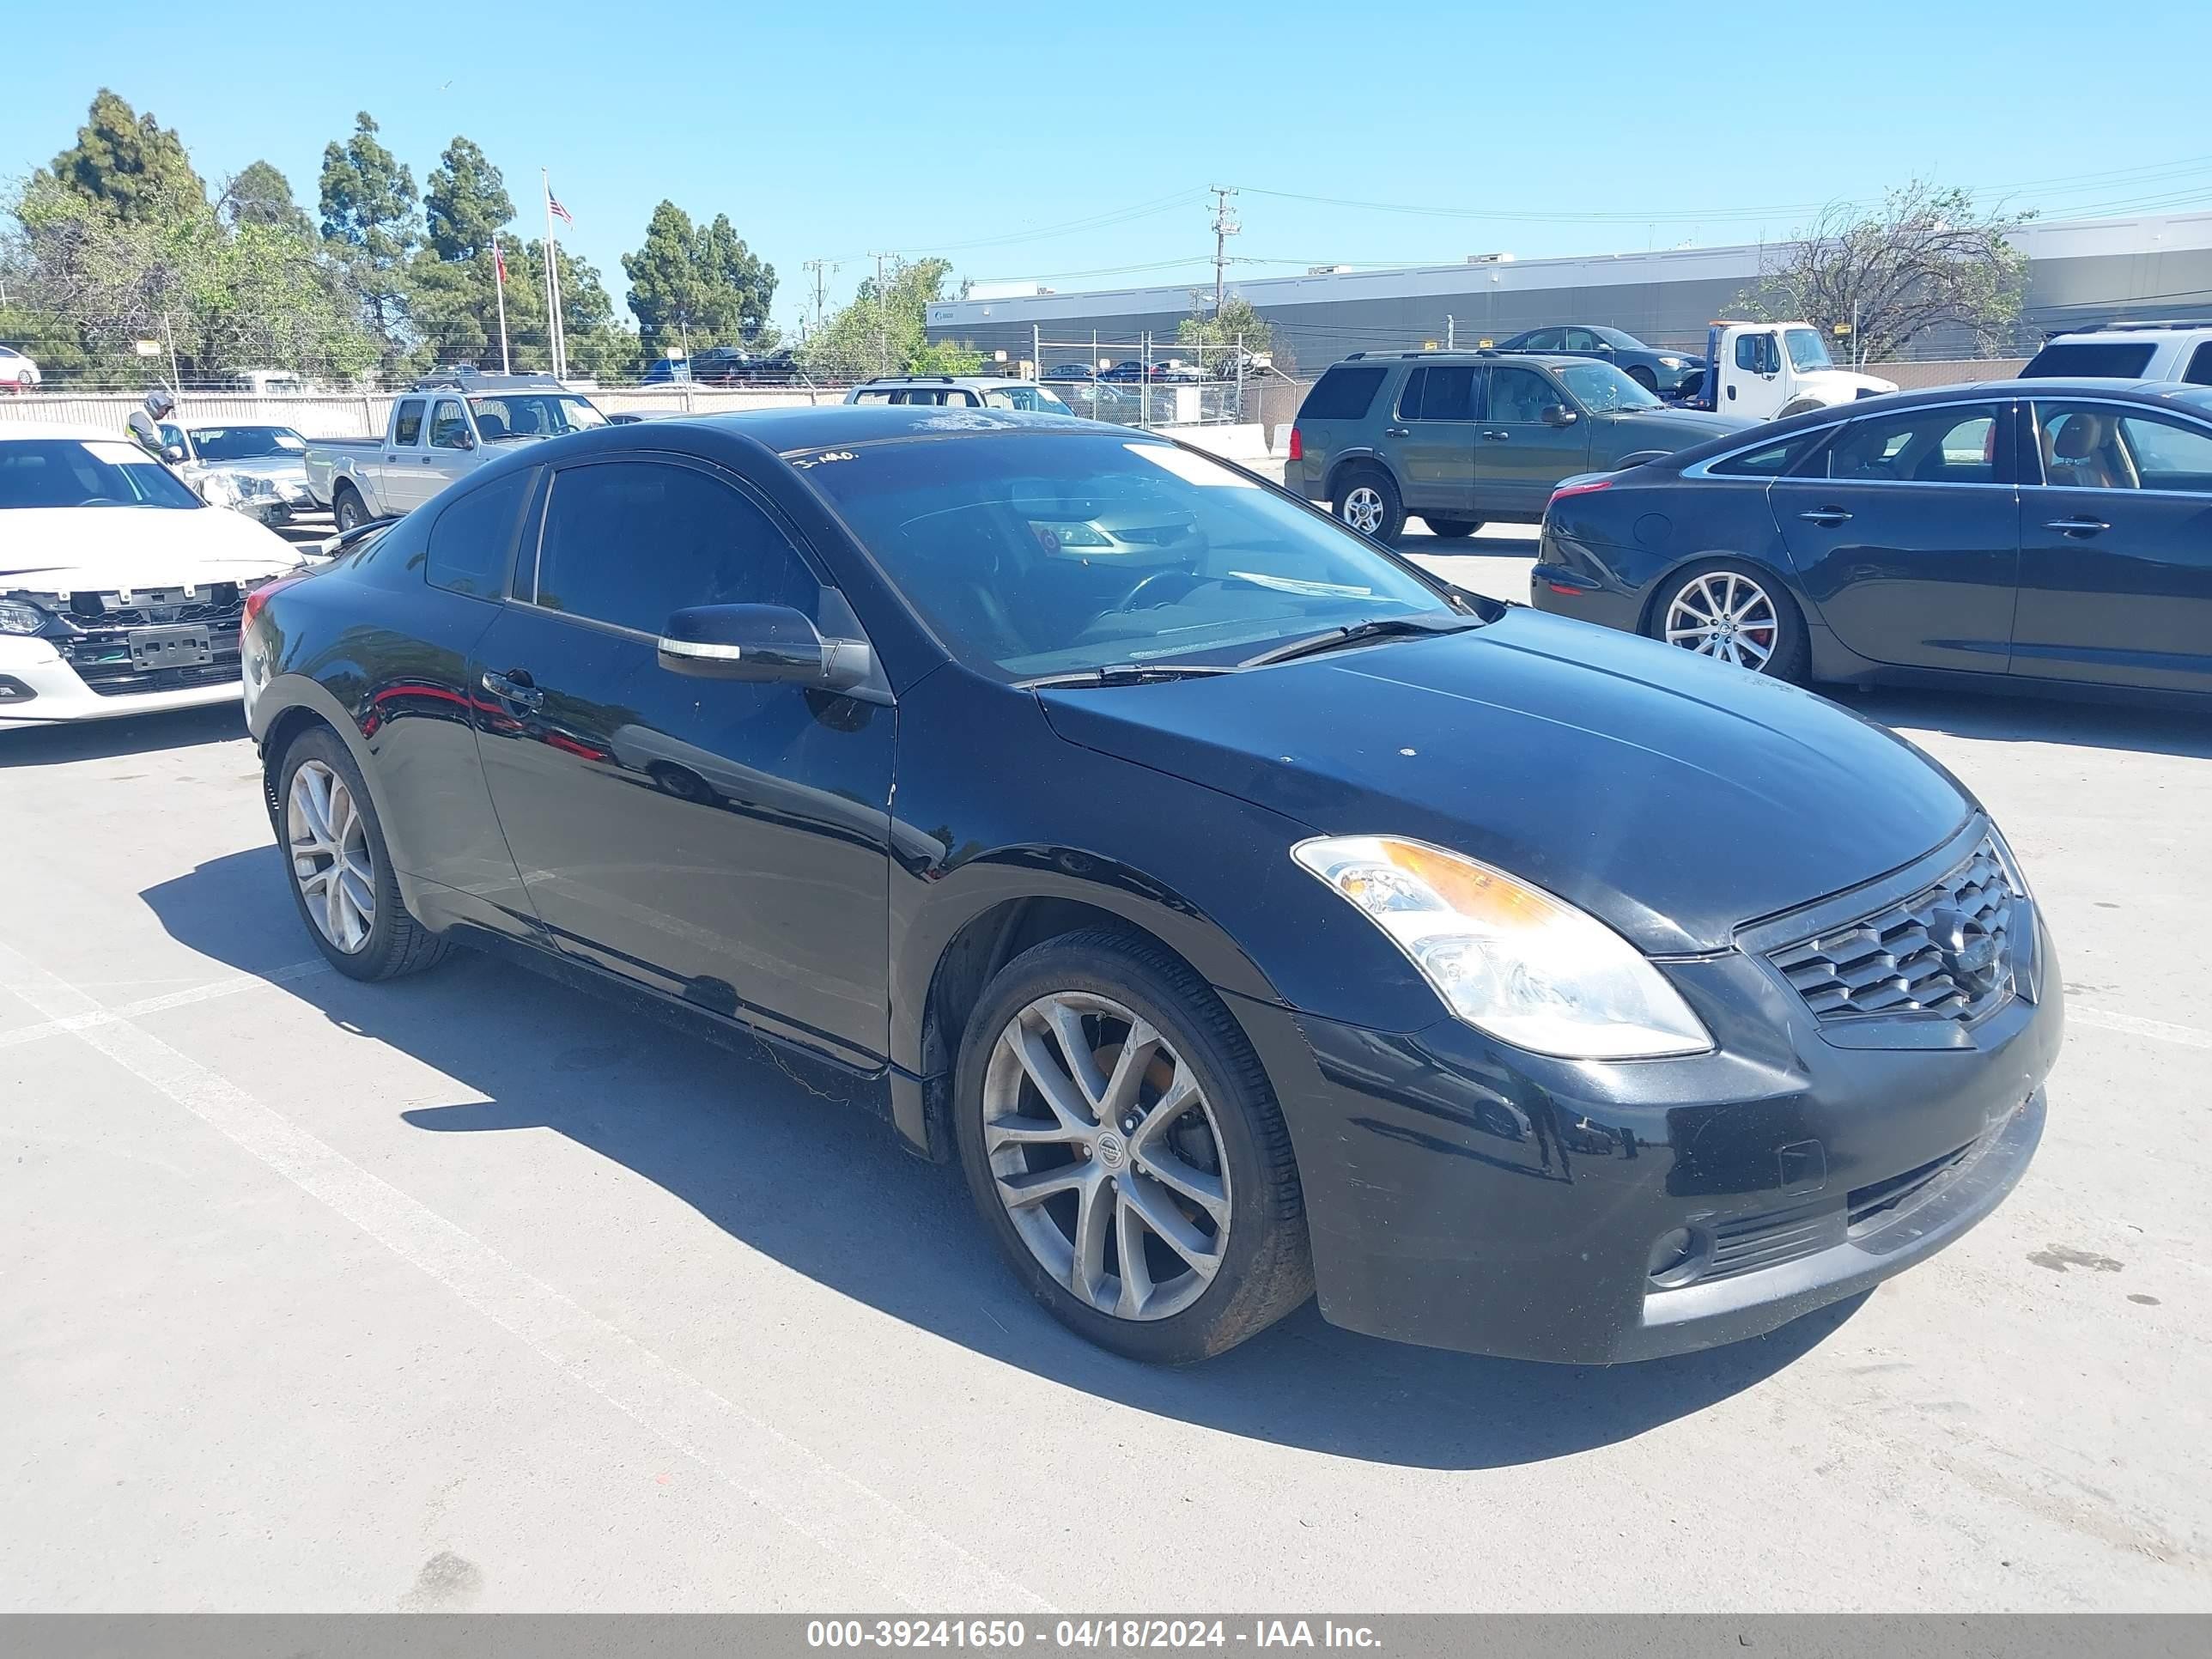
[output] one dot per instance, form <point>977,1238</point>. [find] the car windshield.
<point>1044,552</point>
<point>1601,388</point>
<point>246,443</point>
<point>1034,398</point>
<point>533,415</point>
<point>86,472</point>
<point>1806,350</point>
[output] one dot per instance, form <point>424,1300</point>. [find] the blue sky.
<point>1075,143</point>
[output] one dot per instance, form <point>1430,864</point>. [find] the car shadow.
<point>758,1148</point>
<point>134,734</point>
<point>2141,727</point>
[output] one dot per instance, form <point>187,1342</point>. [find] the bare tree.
<point>1927,259</point>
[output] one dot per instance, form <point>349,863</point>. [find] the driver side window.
<point>631,543</point>
<point>1520,396</point>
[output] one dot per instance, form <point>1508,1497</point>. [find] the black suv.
<point>1464,438</point>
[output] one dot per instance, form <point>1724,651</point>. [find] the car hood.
<point>1845,380</point>
<point>1679,426</point>
<point>276,467</point>
<point>1673,797</point>
<point>62,549</point>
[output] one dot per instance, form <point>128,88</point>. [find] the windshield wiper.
<point>1379,628</point>
<point>1126,673</point>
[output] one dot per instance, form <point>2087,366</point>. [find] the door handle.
<point>429,460</point>
<point>2076,526</point>
<point>1396,432</point>
<point>514,687</point>
<point>1498,437</point>
<point>1829,516</point>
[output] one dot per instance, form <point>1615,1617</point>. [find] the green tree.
<point>464,202</point>
<point>262,195</point>
<point>456,315</point>
<point>130,162</point>
<point>1927,259</point>
<point>368,202</point>
<point>1219,334</point>
<point>697,285</point>
<point>883,330</point>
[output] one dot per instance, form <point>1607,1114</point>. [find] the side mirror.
<point>1604,349</point>
<point>173,452</point>
<point>761,642</point>
<point>468,439</point>
<point>1559,414</point>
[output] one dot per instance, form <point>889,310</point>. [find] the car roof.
<point>49,430</point>
<point>1491,355</point>
<point>822,426</point>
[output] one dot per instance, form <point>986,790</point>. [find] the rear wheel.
<point>1367,500</point>
<point>1452,527</point>
<point>342,875</point>
<point>1127,1152</point>
<point>347,508</point>
<point>1734,613</point>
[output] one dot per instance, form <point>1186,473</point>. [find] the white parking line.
<point>914,1563</point>
<point>222,987</point>
<point>2135,1026</point>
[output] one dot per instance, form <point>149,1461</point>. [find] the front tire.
<point>341,871</point>
<point>1451,528</point>
<point>1734,612</point>
<point>1644,378</point>
<point>1367,500</point>
<point>1126,1150</point>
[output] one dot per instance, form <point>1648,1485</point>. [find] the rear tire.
<point>339,867</point>
<point>1453,528</point>
<point>1216,1169</point>
<point>1367,500</point>
<point>1731,610</point>
<point>347,509</point>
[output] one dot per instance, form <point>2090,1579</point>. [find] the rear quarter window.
<point>1344,394</point>
<point>1773,460</point>
<point>473,539</point>
<point>2095,359</point>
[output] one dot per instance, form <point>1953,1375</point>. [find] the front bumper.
<point>1461,1194</point>
<point>38,687</point>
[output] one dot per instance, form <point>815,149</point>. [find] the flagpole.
<point>499,281</point>
<point>552,291</point>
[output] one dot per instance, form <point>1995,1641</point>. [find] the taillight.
<point>1565,490</point>
<point>259,597</point>
<point>1298,446</point>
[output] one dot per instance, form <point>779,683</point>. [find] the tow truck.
<point>1764,371</point>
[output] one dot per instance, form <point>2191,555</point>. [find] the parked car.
<point>959,392</point>
<point>1664,373</point>
<point>1766,371</point>
<point>1463,438</point>
<point>17,372</point>
<point>259,470</point>
<point>664,371</point>
<point>2041,533</point>
<point>439,430</point>
<point>1129,372</point>
<point>1252,914</point>
<point>1069,371</point>
<point>261,382</point>
<point>2127,351</point>
<point>121,591</point>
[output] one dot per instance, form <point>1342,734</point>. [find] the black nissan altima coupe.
<point>1249,914</point>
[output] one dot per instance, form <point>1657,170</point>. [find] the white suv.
<point>959,390</point>
<point>2128,351</point>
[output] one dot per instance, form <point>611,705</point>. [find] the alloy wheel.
<point>1107,1155</point>
<point>1726,615</point>
<point>1363,509</point>
<point>328,840</point>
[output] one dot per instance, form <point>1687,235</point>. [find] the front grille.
<point>1903,960</point>
<point>100,651</point>
<point>218,605</point>
<point>1883,1201</point>
<point>128,684</point>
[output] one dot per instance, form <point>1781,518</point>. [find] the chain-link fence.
<point>1151,381</point>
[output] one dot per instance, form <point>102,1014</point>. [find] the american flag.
<point>499,265</point>
<point>553,206</point>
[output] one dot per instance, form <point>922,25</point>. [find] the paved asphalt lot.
<point>470,1292</point>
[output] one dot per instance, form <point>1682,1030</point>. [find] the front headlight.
<point>251,486</point>
<point>1506,957</point>
<point>1670,363</point>
<point>21,617</point>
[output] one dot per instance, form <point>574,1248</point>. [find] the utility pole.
<point>882,319</point>
<point>1451,342</point>
<point>1224,227</point>
<point>820,268</point>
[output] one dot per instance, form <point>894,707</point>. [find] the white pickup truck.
<point>439,430</point>
<point>1762,371</point>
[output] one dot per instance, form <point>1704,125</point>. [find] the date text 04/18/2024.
<point>1007,1635</point>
